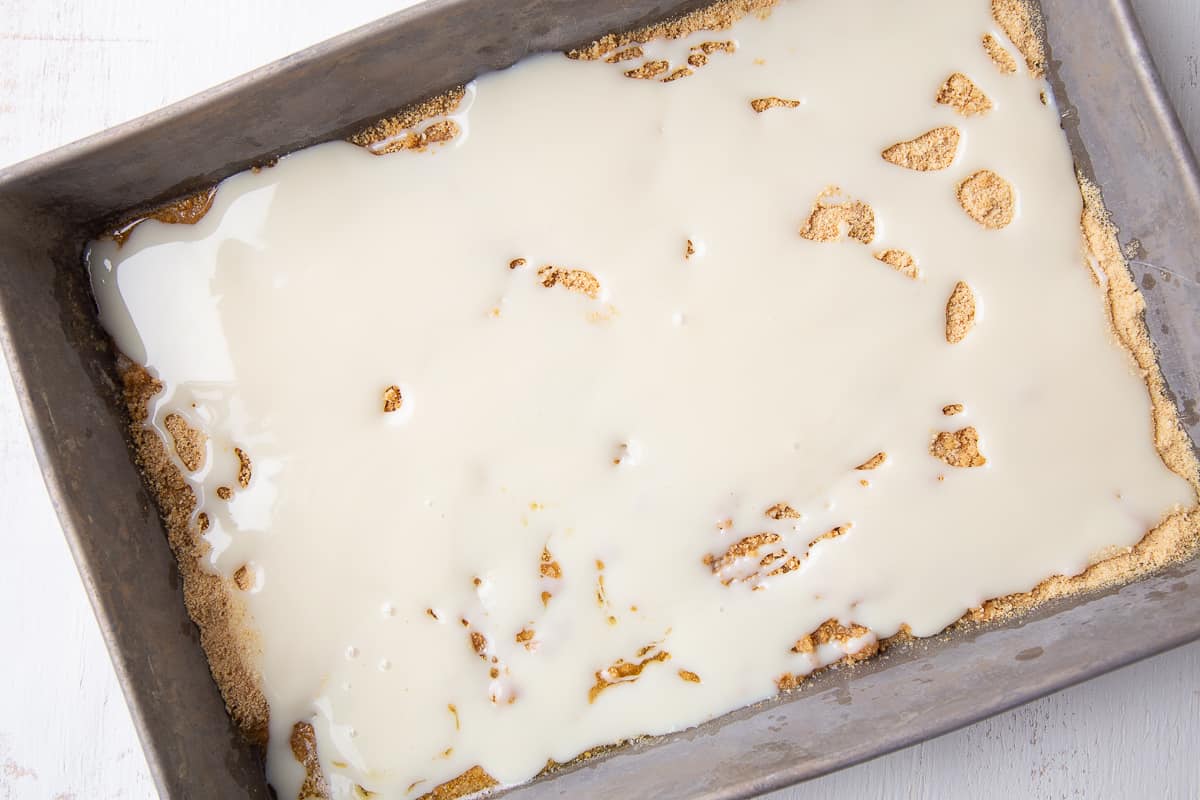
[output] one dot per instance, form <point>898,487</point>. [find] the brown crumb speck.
<point>761,104</point>
<point>832,533</point>
<point>960,93</point>
<point>745,547</point>
<point>517,263</point>
<point>952,409</point>
<point>245,469</point>
<point>546,599</point>
<point>649,70</point>
<point>689,676</point>
<point>548,567</point>
<point>185,211</point>
<point>958,448</point>
<point>933,150</point>
<point>712,17</point>
<point>395,133</point>
<point>243,578</point>
<point>303,744</point>
<point>1023,27</point>
<point>479,644</point>
<point>901,261</point>
<point>827,632</point>
<point>677,73</point>
<point>960,313</point>
<point>622,671</point>
<point>474,780</point>
<point>988,199</point>
<point>575,280</point>
<point>189,442</point>
<point>789,680</point>
<point>782,511</point>
<point>873,462</point>
<point>224,492</point>
<point>831,214</point>
<point>628,54</point>
<point>689,249</point>
<point>392,399</point>
<point>999,56</point>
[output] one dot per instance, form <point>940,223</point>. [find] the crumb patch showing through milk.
<point>960,93</point>
<point>958,448</point>
<point>988,199</point>
<point>960,313</point>
<point>834,216</point>
<point>933,150</point>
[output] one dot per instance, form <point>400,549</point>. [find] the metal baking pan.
<point>1124,135</point>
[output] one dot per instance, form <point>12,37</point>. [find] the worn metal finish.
<point>1124,136</point>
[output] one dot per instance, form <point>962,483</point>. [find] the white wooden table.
<point>71,67</point>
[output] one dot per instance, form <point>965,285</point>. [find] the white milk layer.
<point>760,370</point>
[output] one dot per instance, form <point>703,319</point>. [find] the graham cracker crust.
<point>215,604</point>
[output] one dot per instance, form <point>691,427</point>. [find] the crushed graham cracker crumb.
<point>873,462</point>
<point>304,748</point>
<point>933,150</point>
<point>245,468</point>
<point>435,133</point>
<point>689,676</point>
<point>243,578</point>
<point>185,211</point>
<point>224,492</point>
<point>474,780</point>
<point>999,56</point>
<point>960,313</point>
<point>715,17</point>
<point>575,280</point>
<point>782,511</point>
<point>649,70</point>
<point>960,93</point>
<point>831,630</point>
<point>689,250</point>
<point>746,547</point>
<point>628,54</point>
<point>958,448</point>
<point>479,644</point>
<point>622,671</point>
<point>188,441</point>
<point>952,409</point>
<point>761,104</point>
<point>988,199</point>
<point>830,212</point>
<point>832,533</point>
<point>393,132</point>
<point>548,567</point>
<point>1022,24</point>
<point>517,263</point>
<point>901,261</point>
<point>677,73</point>
<point>392,399</point>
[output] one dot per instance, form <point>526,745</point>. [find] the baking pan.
<point>1124,136</point>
